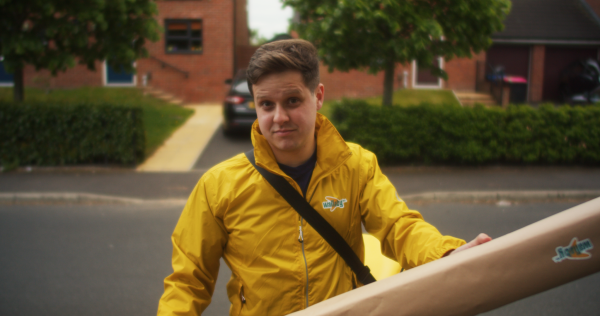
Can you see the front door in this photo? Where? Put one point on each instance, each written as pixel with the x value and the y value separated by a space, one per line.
pixel 422 77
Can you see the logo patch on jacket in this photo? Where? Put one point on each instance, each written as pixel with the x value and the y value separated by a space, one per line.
pixel 332 203
pixel 577 250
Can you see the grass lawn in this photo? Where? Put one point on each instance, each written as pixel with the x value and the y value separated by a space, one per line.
pixel 406 97
pixel 160 117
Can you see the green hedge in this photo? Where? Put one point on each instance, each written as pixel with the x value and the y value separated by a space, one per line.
pixel 464 135
pixel 47 134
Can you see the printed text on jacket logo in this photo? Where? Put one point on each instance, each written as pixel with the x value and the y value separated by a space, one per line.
pixel 577 250
pixel 332 203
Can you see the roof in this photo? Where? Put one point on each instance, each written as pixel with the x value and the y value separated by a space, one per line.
pixel 548 21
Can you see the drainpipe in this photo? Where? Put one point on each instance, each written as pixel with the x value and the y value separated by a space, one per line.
pixel 234 38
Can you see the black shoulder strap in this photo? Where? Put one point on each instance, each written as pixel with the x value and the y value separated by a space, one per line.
pixel 335 240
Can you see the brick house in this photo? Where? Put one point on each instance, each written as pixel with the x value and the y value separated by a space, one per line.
pixel 206 42
pixel 541 37
pixel 192 59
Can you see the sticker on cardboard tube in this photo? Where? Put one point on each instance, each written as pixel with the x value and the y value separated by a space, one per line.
pixel 577 250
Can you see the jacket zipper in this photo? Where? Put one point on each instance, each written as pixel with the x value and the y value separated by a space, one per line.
pixel 301 241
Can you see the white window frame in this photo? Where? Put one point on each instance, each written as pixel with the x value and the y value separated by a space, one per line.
pixel 426 86
pixel 105 77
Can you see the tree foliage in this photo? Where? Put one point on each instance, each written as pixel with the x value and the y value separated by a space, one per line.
pixel 56 34
pixel 359 34
pixel 256 39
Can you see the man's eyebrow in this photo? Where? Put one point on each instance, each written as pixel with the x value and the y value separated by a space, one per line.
pixel 285 92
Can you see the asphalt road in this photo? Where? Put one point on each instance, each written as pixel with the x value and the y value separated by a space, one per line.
pixel 110 260
pixel 222 147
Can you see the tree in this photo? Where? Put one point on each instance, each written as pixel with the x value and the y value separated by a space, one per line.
pixel 359 34
pixel 54 34
pixel 256 39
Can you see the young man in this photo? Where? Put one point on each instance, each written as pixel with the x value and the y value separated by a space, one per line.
pixel 279 263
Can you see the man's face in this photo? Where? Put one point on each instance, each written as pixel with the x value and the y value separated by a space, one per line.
pixel 286 111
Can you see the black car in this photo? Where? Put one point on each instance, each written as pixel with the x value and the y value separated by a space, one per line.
pixel 580 82
pixel 238 109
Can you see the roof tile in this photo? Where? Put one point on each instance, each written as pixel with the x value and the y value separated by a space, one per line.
pixel 552 20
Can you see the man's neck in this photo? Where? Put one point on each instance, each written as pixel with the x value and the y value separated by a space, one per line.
pixel 295 158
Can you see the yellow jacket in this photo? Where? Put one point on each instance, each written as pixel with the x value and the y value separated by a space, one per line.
pixel 235 214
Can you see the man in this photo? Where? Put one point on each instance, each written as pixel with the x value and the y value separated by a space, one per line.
pixel 279 263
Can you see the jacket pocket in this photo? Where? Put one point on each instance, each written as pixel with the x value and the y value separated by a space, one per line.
pixel 241 301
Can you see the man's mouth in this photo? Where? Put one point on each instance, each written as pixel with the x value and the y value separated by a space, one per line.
pixel 283 132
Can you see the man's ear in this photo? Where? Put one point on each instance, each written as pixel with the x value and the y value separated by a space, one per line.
pixel 320 95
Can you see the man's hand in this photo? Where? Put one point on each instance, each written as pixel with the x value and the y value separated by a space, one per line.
pixel 480 239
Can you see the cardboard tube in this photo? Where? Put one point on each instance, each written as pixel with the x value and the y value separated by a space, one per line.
pixel 541 256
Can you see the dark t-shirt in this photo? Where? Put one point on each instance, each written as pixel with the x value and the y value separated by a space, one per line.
pixel 302 173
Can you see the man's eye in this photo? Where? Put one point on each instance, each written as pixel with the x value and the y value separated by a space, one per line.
pixel 293 100
pixel 265 103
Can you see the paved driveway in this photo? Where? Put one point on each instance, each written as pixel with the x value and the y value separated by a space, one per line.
pixel 221 148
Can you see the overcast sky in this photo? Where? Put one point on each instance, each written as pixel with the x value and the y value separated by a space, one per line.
pixel 268 17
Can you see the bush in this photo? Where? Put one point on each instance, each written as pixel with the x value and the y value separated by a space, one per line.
pixel 42 134
pixel 463 135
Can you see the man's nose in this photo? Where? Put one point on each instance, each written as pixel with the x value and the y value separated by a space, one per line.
pixel 281 115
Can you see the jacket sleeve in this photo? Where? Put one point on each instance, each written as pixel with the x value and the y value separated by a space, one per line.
pixel 198 242
pixel 403 233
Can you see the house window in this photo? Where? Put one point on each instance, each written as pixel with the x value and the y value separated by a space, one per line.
pixel 118 77
pixel 183 36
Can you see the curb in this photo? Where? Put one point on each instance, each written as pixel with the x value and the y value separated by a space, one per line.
pixel 46 197
pixel 459 196
pixel 521 196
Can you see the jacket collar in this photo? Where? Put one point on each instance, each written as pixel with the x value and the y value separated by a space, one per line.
pixel 332 150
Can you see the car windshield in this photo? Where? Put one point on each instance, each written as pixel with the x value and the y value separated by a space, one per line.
pixel 241 87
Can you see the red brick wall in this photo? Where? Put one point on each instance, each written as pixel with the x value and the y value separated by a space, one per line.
pixel 76 77
pixel 462 72
pixel 462 75
pixel 207 71
pixel 356 84
pixel 243 53
pixel 243 50
pixel 242 32
pixel 536 77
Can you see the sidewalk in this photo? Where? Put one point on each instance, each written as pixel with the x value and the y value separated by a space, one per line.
pixel 436 184
pixel 180 152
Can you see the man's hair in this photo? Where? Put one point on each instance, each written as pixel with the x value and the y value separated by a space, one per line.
pixel 280 56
